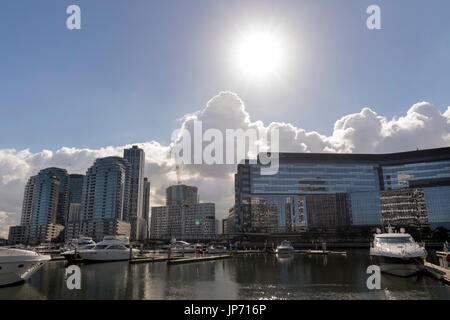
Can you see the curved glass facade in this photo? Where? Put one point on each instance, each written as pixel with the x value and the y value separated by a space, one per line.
pixel 339 190
pixel 316 179
pixel 437 201
pixel 401 176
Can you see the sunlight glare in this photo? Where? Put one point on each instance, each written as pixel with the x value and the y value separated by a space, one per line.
pixel 260 54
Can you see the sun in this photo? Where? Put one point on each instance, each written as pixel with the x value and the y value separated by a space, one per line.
pixel 259 54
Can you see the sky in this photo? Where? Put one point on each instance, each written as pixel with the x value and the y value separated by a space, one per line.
pixel 136 69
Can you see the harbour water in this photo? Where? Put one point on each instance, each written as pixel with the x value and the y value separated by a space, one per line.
pixel 255 276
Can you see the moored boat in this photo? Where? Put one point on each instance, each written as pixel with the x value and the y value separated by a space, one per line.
pixel 182 247
pixel 216 249
pixel 75 245
pixel 17 265
pixel 285 248
pixel 397 254
pixel 112 248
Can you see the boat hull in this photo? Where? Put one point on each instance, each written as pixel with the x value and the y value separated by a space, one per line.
pixel 12 273
pixel 398 266
pixel 186 250
pixel 71 256
pixel 284 251
pixel 120 255
pixel 216 251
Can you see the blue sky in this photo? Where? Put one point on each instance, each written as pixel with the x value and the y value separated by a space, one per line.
pixel 136 67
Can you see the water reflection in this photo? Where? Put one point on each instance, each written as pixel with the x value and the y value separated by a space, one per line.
pixel 284 259
pixel 299 276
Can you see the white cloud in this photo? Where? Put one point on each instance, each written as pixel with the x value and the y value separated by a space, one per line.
pixel 423 126
pixel 6 219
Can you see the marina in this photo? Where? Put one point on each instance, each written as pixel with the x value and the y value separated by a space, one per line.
pixel 253 276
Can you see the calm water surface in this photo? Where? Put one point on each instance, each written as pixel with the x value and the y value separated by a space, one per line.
pixel 240 277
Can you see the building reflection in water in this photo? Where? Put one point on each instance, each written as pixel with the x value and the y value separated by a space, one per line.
pixel 300 276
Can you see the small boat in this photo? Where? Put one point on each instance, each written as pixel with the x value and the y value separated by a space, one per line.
pixel 74 246
pixel 213 249
pixel 112 248
pixel 17 265
pixel 73 254
pixel 285 248
pixel 47 248
pixel 182 247
pixel 79 242
pixel 397 253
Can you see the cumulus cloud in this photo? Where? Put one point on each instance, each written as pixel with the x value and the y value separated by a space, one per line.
pixel 423 126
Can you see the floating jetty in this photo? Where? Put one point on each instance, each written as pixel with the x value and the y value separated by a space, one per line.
pixel 248 251
pixel 441 272
pixel 438 272
pixel 320 252
pixel 197 259
pixel 153 259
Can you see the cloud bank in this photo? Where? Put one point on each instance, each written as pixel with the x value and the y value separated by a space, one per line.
pixel 423 126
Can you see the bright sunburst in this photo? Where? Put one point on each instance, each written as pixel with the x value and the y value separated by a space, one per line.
pixel 259 54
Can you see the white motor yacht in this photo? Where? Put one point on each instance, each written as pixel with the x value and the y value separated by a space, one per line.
pixel 397 253
pixel 17 265
pixel 285 248
pixel 112 248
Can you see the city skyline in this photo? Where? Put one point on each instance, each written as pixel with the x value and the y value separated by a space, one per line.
pixel 58 206
pixel 422 127
pixel 346 89
pixel 107 200
pixel 365 132
pixel 310 190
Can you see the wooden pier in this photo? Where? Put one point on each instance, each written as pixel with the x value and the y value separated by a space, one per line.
pixel 197 259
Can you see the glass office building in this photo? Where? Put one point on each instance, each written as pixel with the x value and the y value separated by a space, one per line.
pixel 339 190
pixel 75 188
